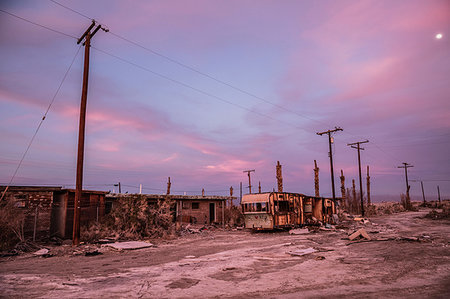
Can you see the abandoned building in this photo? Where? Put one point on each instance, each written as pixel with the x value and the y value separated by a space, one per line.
pixel 200 209
pixel 49 210
pixel 272 210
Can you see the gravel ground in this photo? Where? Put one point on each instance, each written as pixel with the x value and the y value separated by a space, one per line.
pixel 408 256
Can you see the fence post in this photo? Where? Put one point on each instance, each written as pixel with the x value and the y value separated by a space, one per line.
pixel 35 223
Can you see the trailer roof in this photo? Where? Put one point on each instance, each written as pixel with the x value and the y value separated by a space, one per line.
pixel 256 197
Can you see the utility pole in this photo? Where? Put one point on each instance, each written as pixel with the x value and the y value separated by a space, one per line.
pixel 359 148
pixel 344 196
pixel 439 195
pixel 368 187
pixel 316 180
pixel 330 153
pixel 231 195
pixel 406 166
pixel 240 193
pixel 423 192
pixel 259 187
pixel 87 35
pixel 249 181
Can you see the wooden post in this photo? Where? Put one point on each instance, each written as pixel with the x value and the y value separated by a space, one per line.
pixel 423 192
pixel 169 184
pixel 368 187
pixel 279 177
pixel 35 223
pixel 231 195
pixel 354 195
pixel 316 179
pixel 439 195
pixel 223 213
pixel 259 187
pixel 342 177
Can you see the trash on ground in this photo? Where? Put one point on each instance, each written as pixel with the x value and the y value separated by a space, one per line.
pixel 132 245
pixel 41 252
pixel 360 233
pixel 301 252
pixel 320 257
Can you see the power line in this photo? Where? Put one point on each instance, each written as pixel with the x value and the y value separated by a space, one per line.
pixel 186 66
pixel 72 10
pixel 40 123
pixel 39 25
pixel 195 88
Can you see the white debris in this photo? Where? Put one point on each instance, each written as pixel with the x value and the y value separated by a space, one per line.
pixel 132 245
pixel 301 252
pixel 42 251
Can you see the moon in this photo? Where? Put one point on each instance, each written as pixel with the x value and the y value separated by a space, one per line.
pixel 439 36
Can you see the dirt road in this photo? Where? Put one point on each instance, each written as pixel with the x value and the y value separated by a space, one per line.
pixel 409 256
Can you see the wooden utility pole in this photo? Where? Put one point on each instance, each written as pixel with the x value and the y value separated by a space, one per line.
pixel 169 184
pixel 423 192
pixel 279 177
pixel 353 194
pixel 316 179
pixel 249 180
pixel 330 153
pixel 259 186
pixel 368 187
pixel 231 195
pixel 87 35
pixel 359 148
pixel 342 177
pixel 439 195
pixel 406 166
pixel 240 193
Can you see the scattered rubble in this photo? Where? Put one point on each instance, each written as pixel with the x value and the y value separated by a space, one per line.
pixel 301 252
pixel 40 252
pixel 132 245
pixel 360 233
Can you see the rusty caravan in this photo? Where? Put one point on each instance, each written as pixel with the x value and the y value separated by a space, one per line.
pixel 279 210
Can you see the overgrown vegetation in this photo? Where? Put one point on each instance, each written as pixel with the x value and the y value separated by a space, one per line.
pixel 234 216
pixel 133 218
pixel 12 222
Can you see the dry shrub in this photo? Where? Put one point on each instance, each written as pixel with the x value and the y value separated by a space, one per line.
pixel 353 204
pixel 406 203
pixel 133 218
pixel 234 216
pixel 12 222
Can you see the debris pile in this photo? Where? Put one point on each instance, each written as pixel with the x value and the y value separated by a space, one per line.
pixel 133 219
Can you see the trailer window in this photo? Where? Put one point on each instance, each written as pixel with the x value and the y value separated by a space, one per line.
pixel 282 206
pixel 255 207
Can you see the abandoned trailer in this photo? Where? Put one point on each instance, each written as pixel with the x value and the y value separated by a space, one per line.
pixel 200 209
pixel 48 211
pixel 273 210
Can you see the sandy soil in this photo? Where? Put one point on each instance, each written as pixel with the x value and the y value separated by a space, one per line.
pixel 244 264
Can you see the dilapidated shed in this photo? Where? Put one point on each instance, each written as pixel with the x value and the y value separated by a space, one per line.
pixel 48 210
pixel 201 209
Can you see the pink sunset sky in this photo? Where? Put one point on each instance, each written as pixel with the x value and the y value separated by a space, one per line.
pixel 212 88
